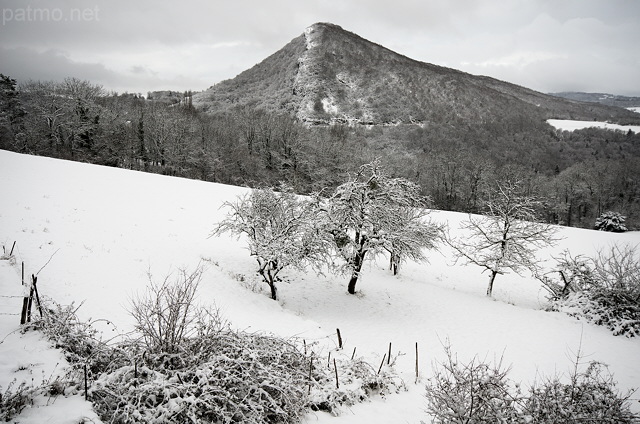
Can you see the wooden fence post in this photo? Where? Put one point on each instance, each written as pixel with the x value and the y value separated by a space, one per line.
pixel 86 396
pixel 310 373
pixel 25 302
pixel 29 303
pixel 35 289
pixel 23 314
pixel 416 362
pixel 382 363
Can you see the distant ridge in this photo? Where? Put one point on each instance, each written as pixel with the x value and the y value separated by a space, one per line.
pixel 330 75
pixel 603 98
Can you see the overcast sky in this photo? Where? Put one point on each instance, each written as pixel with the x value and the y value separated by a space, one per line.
pixel 145 45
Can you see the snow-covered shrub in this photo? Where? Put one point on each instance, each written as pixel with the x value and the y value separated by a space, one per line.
pixel 588 397
pixel 207 373
pixel 79 340
pixel 167 316
pixel 572 275
pixel 240 377
pixel 14 399
pixel 618 270
pixel 473 392
pixel 358 382
pixel 611 221
pixel 605 308
pixel 478 393
pixel 604 290
pixel 235 376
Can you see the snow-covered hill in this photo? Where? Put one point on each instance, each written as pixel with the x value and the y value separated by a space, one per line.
pixel 93 234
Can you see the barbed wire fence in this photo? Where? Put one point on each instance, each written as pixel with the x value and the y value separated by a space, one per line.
pixel 30 294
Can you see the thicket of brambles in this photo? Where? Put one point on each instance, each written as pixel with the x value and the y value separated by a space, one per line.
pixel 479 391
pixel 184 363
pixel 604 289
pixel 580 175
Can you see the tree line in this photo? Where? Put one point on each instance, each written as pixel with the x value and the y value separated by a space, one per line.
pixel 578 175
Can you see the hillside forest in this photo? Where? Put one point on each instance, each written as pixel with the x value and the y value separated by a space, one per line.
pixel 576 175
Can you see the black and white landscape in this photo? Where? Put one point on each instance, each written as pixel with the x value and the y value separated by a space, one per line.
pixel 187 252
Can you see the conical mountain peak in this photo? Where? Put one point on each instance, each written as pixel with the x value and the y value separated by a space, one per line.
pixel 330 75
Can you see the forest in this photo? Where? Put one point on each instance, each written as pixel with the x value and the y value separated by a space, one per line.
pixel 577 175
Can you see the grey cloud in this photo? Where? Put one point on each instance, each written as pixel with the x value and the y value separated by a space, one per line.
pixel 26 64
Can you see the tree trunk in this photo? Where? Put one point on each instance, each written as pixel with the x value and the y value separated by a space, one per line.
pixel 394 261
pixel 491 280
pixel 357 266
pixel 274 290
pixel 352 283
pixel 268 277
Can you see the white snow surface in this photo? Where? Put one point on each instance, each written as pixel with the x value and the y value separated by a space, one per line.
pixel 94 233
pixel 570 125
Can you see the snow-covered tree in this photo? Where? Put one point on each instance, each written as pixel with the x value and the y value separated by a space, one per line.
pixel 373 212
pixel 507 236
pixel 611 221
pixel 281 231
pixel 410 233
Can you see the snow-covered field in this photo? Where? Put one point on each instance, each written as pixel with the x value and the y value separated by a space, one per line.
pixel 94 233
pixel 569 125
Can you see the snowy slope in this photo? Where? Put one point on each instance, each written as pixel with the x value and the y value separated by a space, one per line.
pixel 95 233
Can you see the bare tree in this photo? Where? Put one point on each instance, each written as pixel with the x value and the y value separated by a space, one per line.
pixel 409 235
pixel 280 230
pixel 507 237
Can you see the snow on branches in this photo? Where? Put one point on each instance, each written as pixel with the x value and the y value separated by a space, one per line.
pixel 281 231
pixel 369 214
pixel 373 212
pixel 507 237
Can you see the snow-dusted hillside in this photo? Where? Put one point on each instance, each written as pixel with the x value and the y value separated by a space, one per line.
pixel 94 233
